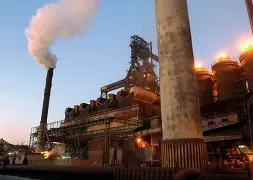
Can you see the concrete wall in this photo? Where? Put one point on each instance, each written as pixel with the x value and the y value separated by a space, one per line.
pixel 35 156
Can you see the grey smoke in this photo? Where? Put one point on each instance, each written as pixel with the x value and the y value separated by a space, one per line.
pixel 65 18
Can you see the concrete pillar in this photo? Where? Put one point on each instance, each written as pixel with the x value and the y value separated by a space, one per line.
pixel 183 143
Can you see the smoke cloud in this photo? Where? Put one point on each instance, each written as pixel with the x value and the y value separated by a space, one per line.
pixel 65 18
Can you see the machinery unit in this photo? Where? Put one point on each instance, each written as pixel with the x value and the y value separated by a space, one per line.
pixel 227 75
pixel 205 83
pixel 246 59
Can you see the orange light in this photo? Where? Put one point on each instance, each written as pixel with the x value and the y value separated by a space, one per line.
pixel 138 140
pixel 46 154
pixel 199 65
pixel 247 46
pixel 222 56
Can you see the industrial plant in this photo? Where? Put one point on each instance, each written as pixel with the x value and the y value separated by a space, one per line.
pixel 125 128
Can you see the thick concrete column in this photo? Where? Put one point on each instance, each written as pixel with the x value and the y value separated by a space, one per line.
pixel 183 143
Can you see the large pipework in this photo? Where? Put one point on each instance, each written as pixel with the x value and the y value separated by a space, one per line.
pixel 183 143
pixel 43 122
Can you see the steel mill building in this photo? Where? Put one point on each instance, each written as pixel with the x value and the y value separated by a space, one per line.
pixel 126 127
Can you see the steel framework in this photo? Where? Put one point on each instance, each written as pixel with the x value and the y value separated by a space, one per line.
pixel 76 131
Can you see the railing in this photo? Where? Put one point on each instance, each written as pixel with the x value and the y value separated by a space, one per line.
pixel 104 115
pixel 147 173
pixel 89 120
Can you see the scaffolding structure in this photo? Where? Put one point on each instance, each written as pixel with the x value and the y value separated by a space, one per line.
pixel 118 123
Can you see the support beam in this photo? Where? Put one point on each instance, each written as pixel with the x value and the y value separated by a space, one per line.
pixel 183 143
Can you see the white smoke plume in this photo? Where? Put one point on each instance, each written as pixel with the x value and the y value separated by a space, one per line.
pixel 65 18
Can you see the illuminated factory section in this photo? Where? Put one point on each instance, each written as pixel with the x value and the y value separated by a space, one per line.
pixel 129 121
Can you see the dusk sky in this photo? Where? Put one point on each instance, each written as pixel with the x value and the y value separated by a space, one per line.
pixel 99 57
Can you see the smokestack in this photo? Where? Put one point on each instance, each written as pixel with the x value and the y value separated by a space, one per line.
pixel 183 145
pixel 43 122
pixel 63 18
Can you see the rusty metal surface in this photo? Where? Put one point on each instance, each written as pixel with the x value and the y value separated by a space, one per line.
pixel 69 114
pixel 144 95
pixel 125 98
pixel 124 113
pixel 184 153
pixel 205 82
pixel 226 73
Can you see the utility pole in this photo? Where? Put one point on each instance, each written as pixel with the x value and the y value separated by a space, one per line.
pixel 249 6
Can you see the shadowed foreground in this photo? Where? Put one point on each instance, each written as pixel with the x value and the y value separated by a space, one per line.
pixel 58 172
pixel 69 172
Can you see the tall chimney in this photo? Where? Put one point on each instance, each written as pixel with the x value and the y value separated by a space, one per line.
pixel 183 144
pixel 43 122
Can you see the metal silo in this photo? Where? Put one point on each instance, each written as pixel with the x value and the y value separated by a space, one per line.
pixel 205 82
pixel 227 73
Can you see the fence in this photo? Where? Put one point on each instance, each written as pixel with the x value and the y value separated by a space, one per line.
pixel 144 173
pixel 66 162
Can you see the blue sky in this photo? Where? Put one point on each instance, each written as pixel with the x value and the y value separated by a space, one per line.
pixel 99 57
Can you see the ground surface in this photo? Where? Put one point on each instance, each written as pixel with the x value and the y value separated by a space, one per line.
pixel 226 176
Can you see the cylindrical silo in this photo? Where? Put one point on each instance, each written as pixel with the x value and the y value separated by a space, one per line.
pixel 205 82
pixel 226 73
pixel 246 60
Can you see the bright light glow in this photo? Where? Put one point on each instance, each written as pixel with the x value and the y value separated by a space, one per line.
pixel 138 140
pixel 247 46
pixel 46 154
pixel 199 65
pixel 222 56
pixel 246 150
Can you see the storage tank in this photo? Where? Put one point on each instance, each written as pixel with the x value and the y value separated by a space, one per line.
pixel 226 73
pixel 246 59
pixel 205 83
